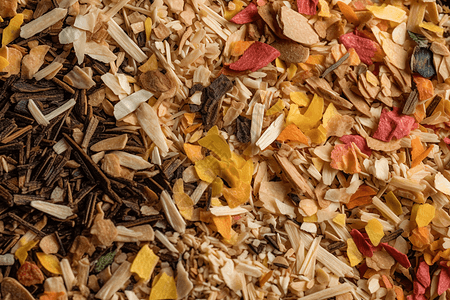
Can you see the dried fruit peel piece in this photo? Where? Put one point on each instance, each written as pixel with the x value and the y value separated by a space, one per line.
pixel 307 7
pixel 393 203
pixel 276 108
pixel 207 169
pixel 361 243
pixel 216 143
pixel 425 213
pixel 394 125
pixel 344 158
pixel 348 12
pixel 257 56
pixel 365 48
pixel 148 29
pixel 193 152
pixel 375 231
pixel 424 87
pixel 50 263
pixel 359 141
pixel 239 47
pixel 353 253
pixel 421 156
pixel 12 31
pixel 247 15
pixel 299 98
pixel 144 263
pixel 340 220
pixel 164 288
pixel 22 253
pixel 397 255
pixel 294 134
pixel 237 195
pixel 150 65
pixel 223 225
pixel 388 12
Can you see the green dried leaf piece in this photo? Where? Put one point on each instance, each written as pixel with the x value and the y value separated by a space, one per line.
pixel 104 261
pixel 421 40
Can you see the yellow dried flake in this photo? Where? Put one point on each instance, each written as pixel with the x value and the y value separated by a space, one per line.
pixel 432 27
pixel 291 71
pixel 372 78
pixel 330 112
pixel 317 135
pixel 22 253
pixel 340 220
pixel 280 64
pixel 216 187
pixel 299 98
pixel 49 262
pixel 375 231
pixel 223 225
pixel 276 108
pixel 150 65
pixel 232 168
pixel 214 142
pixel 193 152
pixel 3 63
pixel 388 12
pixel 228 14
pixel 27 14
pixel 425 213
pixel 318 163
pixel 324 9
pixel 184 203
pixel 393 203
pixel 148 29
pixel 353 253
pixel 208 168
pixel 164 288
pixel 144 263
pixel 310 219
pixel 316 59
pixel 12 31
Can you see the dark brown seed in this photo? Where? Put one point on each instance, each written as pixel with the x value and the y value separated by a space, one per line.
pixel 243 126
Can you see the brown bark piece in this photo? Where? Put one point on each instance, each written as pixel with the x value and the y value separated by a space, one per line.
pixel 8 8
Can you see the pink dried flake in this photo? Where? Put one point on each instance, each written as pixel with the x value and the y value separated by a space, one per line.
pixel 444 280
pixel 394 125
pixel 419 289
pixel 423 274
pixel 257 56
pixel 447 140
pixel 247 15
pixel 365 48
pixel 397 255
pixel 359 141
pixel 363 246
pixel 307 7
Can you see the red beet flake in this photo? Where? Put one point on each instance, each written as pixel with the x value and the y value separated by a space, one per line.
pixel 257 56
pixel 359 141
pixel 363 246
pixel 247 15
pixel 423 274
pixel 444 280
pixel 394 125
pixel 307 7
pixel 365 48
pixel 397 255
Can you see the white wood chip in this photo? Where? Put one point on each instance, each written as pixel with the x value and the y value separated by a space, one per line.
pixel 43 22
pixel 124 41
pixel 165 241
pixel 59 211
pixel 62 109
pixel 329 292
pixel 129 104
pixel 227 211
pixel 173 215
pixel 36 113
pixel 271 133
pixel 117 280
pixel 132 161
pixel 149 121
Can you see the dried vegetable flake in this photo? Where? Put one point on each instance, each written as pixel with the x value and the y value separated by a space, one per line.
pixel 394 125
pixel 144 263
pixel 164 288
pixel 353 253
pixel 375 231
pixel 364 47
pixel 247 15
pixel 12 31
pixel 307 7
pixel 49 262
pixel 425 213
pixel 258 55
